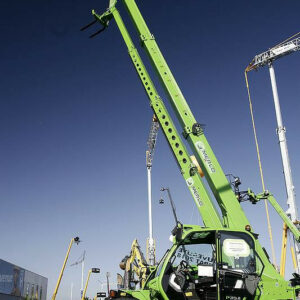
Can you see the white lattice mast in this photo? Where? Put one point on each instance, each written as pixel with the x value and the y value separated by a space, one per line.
pixel 267 58
pixel 280 50
pixel 149 158
pixel 80 261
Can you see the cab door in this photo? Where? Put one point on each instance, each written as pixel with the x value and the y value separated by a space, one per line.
pixel 237 266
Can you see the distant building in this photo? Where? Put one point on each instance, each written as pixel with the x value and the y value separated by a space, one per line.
pixel 17 283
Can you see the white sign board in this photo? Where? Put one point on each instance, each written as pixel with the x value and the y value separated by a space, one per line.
pixel 236 248
pixel 280 50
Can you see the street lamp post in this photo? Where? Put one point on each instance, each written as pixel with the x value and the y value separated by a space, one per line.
pixel 93 270
pixel 107 279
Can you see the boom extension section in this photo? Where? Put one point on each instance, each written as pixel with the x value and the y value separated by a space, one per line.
pixel 188 169
pixel 274 53
pixel 233 215
pixel 267 196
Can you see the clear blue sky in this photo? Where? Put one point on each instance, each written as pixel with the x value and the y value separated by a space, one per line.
pixel 75 120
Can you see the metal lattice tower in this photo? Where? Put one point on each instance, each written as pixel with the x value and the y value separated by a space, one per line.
pixel 152 141
pixel 149 158
pixel 79 261
pixel 274 53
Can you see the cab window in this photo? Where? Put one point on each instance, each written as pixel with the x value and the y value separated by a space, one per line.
pixel 194 254
pixel 238 253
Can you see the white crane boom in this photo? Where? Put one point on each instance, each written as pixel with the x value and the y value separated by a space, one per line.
pixel 274 53
pixel 267 58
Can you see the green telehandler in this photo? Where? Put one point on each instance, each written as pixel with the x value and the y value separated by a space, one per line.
pixel 222 259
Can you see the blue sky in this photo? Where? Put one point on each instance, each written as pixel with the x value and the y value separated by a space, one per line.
pixel 75 120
